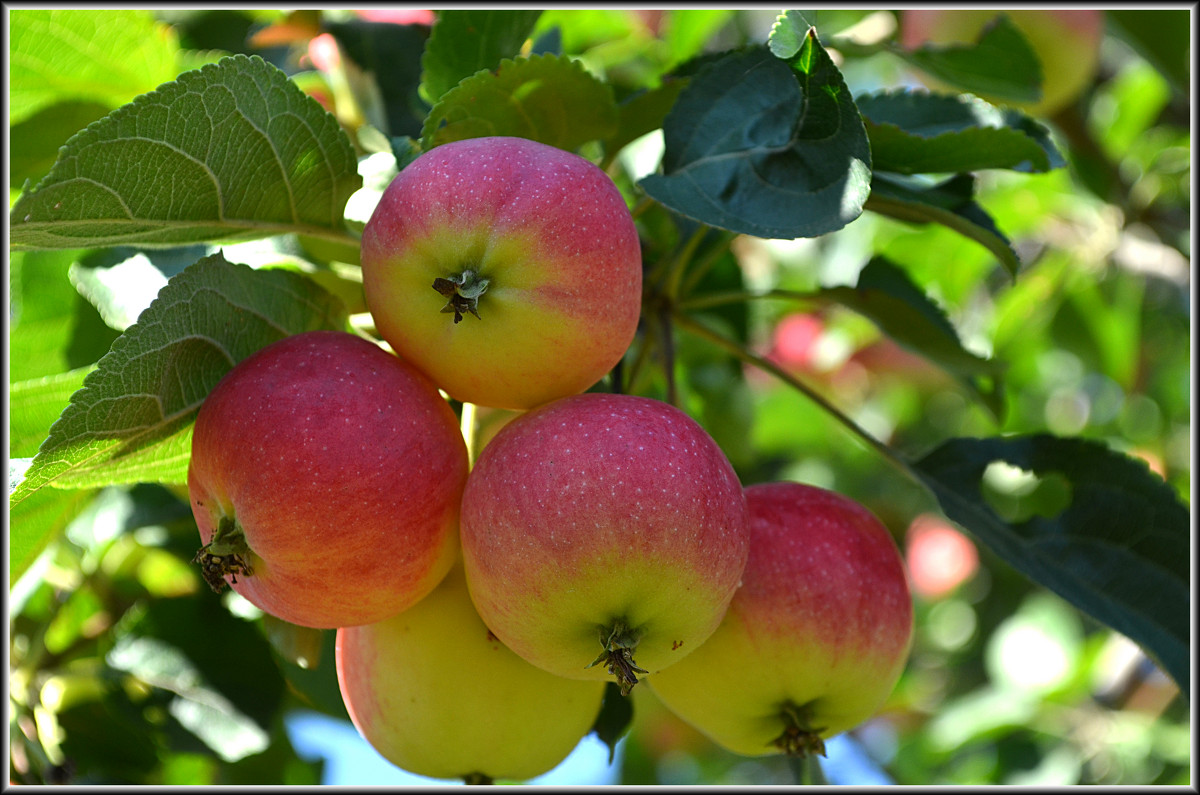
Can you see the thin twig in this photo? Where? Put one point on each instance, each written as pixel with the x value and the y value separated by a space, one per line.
pixel 765 364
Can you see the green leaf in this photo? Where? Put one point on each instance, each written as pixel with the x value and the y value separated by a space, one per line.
pixel 121 282
pixel 1120 551
pixel 464 41
pixel 759 146
pixel 949 203
pixel 1000 64
pixel 887 296
pixel 131 422
pixel 37 520
pixel 1161 36
pixel 53 328
pixel 36 139
pixel 686 31
pixel 107 56
pixel 234 150
pixel 616 713
pixel 34 405
pixel 544 97
pixel 643 113
pixel 200 708
pixel 915 132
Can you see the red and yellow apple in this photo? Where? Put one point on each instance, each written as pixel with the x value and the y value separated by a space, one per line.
pixel 603 536
pixel 438 695
pixel 507 270
pixel 325 479
pixel 815 638
pixel 1067 43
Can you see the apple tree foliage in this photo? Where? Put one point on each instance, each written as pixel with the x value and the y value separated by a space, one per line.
pixel 184 194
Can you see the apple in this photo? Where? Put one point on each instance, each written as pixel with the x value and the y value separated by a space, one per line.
pixel 603 536
pixel 325 478
pixel 507 270
pixel 813 641
pixel 1067 42
pixel 940 558
pixel 438 695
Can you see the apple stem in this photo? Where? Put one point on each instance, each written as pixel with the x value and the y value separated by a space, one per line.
pixel 799 738
pixel 619 641
pixel 226 553
pixel 463 291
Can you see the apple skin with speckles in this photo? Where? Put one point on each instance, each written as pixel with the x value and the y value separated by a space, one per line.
pixel 597 513
pixel 822 624
pixel 536 262
pixel 438 695
pixel 339 469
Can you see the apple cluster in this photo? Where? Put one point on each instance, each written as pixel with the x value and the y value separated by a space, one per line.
pixel 482 607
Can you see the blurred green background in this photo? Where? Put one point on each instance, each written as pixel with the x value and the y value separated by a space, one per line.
pixel 125 668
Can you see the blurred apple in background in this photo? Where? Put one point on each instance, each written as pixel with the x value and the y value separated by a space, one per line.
pixel 1067 43
pixel 794 341
pixel 939 557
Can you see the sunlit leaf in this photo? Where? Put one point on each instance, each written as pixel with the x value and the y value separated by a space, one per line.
pixel 463 41
pixel 544 98
pixel 34 405
pixel 231 151
pixel 131 421
pixel 38 519
pixel 107 56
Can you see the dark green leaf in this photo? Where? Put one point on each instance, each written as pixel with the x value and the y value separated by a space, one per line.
pixel 131 421
pixel 1120 551
pixel 887 296
pixel 616 713
pixel 234 150
pixel 915 132
pixel 298 645
pixel 949 203
pixel 544 98
pixel 464 41
pixel 108 739
pixel 755 146
pixel 316 687
pixel 1000 64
